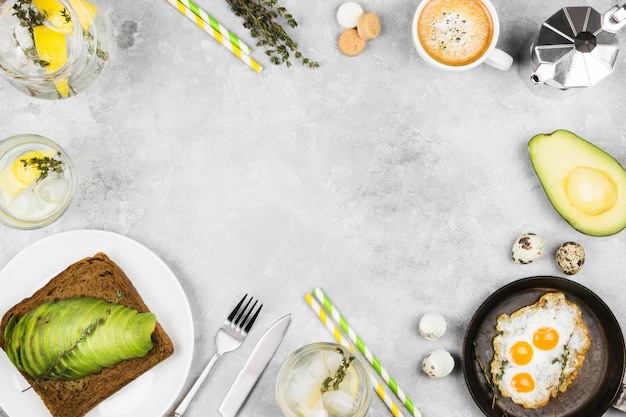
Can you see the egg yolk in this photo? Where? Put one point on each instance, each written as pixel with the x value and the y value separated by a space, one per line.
pixel 521 353
pixel 546 338
pixel 523 382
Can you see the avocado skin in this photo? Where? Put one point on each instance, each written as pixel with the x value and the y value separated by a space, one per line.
pixel 75 337
pixel 553 155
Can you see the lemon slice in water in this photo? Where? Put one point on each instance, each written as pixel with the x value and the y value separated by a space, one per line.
pixel 15 177
pixel 25 173
pixel 51 47
pixel 350 383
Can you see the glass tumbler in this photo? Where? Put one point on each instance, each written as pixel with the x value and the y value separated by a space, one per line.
pixel 52 49
pixel 37 181
pixel 323 379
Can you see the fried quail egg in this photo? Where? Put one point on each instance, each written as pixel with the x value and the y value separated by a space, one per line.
pixel 527 248
pixel 539 350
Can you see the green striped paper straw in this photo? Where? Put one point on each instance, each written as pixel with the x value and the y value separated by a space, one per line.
pixel 185 11
pixel 328 322
pixel 343 323
pixel 217 26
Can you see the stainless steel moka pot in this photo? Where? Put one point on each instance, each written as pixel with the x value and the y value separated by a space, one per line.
pixel 575 48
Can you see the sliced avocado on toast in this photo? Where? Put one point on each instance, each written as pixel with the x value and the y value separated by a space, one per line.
pixel 76 337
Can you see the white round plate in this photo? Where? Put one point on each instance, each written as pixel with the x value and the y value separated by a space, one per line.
pixel 154 392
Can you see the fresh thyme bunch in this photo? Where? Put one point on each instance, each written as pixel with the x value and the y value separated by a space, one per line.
pixel 261 19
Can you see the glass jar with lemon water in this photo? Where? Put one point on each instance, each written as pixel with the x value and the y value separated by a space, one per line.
pixel 52 48
pixel 37 181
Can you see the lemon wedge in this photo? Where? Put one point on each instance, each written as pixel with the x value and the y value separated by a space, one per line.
pixel 350 383
pixel 314 399
pixel 55 13
pixel 29 173
pixel 85 11
pixel 63 87
pixel 51 47
pixel 15 177
pixel 314 406
pixel 9 186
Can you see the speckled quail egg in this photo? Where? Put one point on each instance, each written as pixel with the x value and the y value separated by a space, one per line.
pixel 570 257
pixel 527 248
pixel 432 326
pixel 438 363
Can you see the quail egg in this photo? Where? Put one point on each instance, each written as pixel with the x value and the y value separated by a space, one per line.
pixel 432 326
pixel 570 257
pixel 438 363
pixel 527 248
pixel 348 14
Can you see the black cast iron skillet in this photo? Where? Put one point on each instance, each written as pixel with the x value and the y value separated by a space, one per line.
pixel 599 381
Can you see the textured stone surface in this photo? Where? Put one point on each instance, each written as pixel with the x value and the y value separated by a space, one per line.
pixel 397 188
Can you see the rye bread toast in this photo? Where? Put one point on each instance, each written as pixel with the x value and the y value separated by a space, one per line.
pixel 99 277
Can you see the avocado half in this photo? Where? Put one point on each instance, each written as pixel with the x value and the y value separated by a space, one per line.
pixel 586 186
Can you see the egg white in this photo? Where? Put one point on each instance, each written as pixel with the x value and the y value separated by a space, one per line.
pixel 552 370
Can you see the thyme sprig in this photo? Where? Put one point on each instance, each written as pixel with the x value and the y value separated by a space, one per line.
pixel 261 18
pixel 66 15
pixel 44 165
pixel 563 359
pixel 84 334
pixel 339 374
pixel 28 15
pixel 492 385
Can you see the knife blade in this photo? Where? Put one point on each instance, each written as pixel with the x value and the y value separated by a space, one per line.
pixel 254 367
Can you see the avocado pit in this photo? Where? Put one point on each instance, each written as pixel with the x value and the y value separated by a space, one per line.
pixel 591 191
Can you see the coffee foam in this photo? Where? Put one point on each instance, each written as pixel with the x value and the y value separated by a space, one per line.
pixel 455 32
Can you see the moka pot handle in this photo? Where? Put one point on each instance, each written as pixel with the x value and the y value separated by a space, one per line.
pixel 614 19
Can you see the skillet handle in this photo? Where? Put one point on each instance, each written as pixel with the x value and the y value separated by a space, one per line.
pixel 620 399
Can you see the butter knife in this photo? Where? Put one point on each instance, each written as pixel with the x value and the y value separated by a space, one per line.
pixel 254 367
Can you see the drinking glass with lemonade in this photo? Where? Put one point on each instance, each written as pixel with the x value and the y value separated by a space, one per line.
pixel 37 181
pixel 323 380
pixel 52 48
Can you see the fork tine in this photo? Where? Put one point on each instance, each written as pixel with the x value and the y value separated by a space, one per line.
pixel 236 309
pixel 251 322
pixel 240 318
pixel 240 322
pixel 241 314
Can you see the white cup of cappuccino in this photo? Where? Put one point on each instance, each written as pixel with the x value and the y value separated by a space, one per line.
pixel 457 35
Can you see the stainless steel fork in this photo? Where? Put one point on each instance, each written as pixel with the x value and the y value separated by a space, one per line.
pixel 229 337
